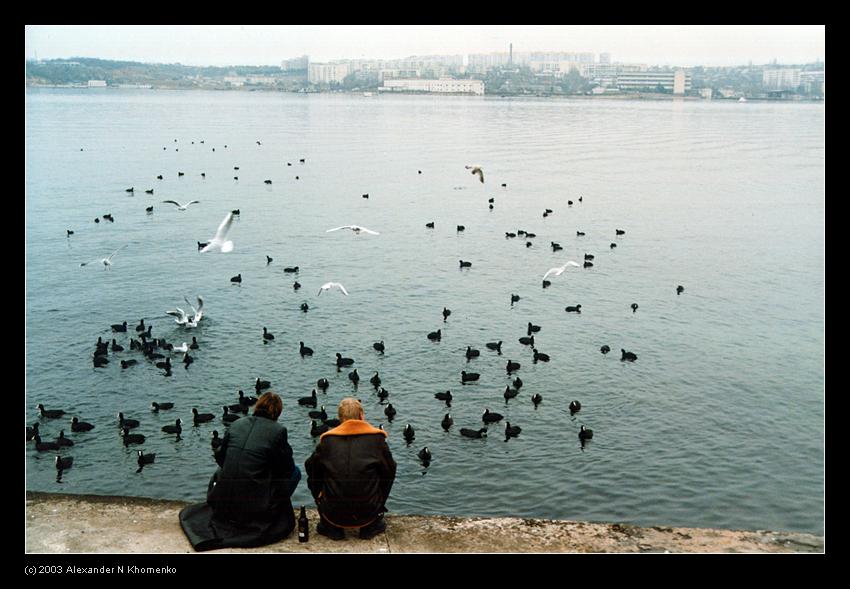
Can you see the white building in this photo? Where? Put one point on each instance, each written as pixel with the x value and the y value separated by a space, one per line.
pixel 327 73
pixel 97 84
pixel 442 86
pixel 677 81
pixel 781 79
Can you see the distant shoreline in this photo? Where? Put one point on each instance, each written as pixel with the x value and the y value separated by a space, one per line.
pixel 376 93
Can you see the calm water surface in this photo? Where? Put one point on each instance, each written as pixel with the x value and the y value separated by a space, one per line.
pixel 719 423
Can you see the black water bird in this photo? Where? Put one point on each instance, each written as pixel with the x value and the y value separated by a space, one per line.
pixel 50 413
pixel 527 340
pixel 120 327
pixel 323 384
pixel 304 350
pixel 291 269
pixel 540 356
pixel 588 256
pixel 425 456
pixel 236 212
pixel 605 349
pixel 429 225
pixel 465 264
pixel 509 393
pixel 579 233
pixel 379 346
pixel 634 307
pixel 573 309
pixel 466 377
pixel 310 401
pixel 332 422
pixel 149 209
pixel 32 431
pixel 366 195
pixel 613 245
pixel 508 235
pixel 570 203
pixel 202 245
pixel 512 366
pixel 215 442
pixel 141 325
pixel 532 328
pixel 127 423
pixel 547 283
pixel 44 446
pixel 536 398
pixel 447 422
pixel 62 440
pixel 316 429
pixel 237 278
pixel 435 336
pixel 517 382
pixel 187 359
pixel 69 232
pixel 470 353
pixel 461 228
pixel 382 393
pixel 131 189
pixel 100 361
pixel 261 385
pixel 340 361
pixel 680 289
pixel 585 434
pixel 164 365
pixel 514 298
pixel 228 417
pixel 555 246
pixel 144 459
pixel 620 232
pixel 575 407
pixel 269 259
pixel 267 181
pixel 296 285
pixel 473 433
pixel 199 418
pixel 354 377
pixel 491 417
pixel 375 380
pixel 159 177
pixel 447 397
pixel 409 434
pixel 588 264
pixel 156 407
pixel 511 431
pixel 446 313
pixel 267 336
pixel 390 411
pixel 149 192
pixel 628 356
pixel 173 429
pixel 496 346
pixel 127 363
pixel 305 307
pixel 64 463
pixel 129 438
pixel 194 345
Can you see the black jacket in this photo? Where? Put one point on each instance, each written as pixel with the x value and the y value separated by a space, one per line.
pixel 350 473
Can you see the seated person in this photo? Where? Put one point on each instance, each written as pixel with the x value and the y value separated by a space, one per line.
pixel 248 497
pixel 350 475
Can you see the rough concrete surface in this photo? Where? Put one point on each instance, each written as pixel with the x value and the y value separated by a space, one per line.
pixel 81 524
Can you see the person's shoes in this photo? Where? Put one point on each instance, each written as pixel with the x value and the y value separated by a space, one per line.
pixel 376 527
pixel 330 531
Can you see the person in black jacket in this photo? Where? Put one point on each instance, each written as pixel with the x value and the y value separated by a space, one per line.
pixel 350 475
pixel 248 497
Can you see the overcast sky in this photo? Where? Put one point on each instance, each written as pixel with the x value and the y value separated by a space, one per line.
pixel 683 45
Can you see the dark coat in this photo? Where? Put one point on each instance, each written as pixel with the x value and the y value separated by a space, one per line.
pixel 350 474
pixel 248 496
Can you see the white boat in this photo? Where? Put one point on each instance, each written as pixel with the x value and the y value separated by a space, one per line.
pixel 367 94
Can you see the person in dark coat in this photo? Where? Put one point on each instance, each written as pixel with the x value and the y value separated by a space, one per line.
pixel 350 475
pixel 248 498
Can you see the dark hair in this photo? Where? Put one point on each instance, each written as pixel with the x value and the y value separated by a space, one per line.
pixel 269 405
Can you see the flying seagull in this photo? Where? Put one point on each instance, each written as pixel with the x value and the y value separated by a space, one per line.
pixel 198 313
pixel 218 242
pixel 559 270
pixel 356 228
pixel 182 318
pixel 477 170
pixel 181 207
pixel 107 261
pixel 330 285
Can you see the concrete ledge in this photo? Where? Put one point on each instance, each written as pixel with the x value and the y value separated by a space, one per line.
pixel 85 524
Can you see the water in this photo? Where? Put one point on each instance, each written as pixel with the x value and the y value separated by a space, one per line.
pixel 719 423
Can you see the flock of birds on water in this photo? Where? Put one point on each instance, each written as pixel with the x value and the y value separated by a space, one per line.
pixel 154 351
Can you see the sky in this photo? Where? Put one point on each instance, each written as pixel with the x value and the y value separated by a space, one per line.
pixel 222 45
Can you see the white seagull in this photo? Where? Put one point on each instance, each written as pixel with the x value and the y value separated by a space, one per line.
pixel 182 207
pixel 330 285
pixel 182 318
pixel 219 241
pixel 560 270
pixel 356 228
pixel 184 348
pixel 107 261
pixel 198 313
pixel 477 170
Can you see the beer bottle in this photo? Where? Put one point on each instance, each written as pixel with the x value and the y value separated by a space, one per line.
pixel 303 527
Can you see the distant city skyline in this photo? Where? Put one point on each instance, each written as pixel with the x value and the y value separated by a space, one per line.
pixel 230 45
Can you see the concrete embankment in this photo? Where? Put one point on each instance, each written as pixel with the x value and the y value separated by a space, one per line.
pixel 75 524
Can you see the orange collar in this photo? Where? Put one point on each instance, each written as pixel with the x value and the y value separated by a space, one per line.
pixel 353 427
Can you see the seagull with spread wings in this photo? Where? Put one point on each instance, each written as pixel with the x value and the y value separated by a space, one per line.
pixel 107 261
pixel 220 240
pixel 330 285
pixel 355 228
pixel 560 269
pixel 181 207
pixel 477 170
